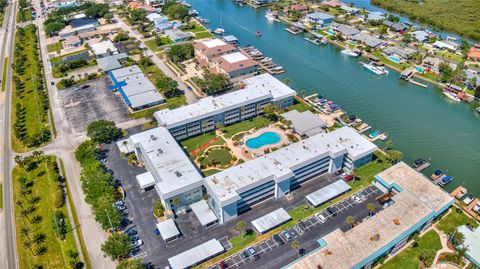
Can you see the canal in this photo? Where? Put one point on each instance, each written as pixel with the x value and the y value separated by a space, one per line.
pixel 421 122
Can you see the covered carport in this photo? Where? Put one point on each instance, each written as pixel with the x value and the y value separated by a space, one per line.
pixel 204 214
pixel 168 230
pixel 327 193
pixel 271 220
pixel 145 180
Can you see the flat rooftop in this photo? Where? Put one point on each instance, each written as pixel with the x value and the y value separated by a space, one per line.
pixel 235 57
pixel 173 170
pixel 354 247
pixel 256 90
pixel 213 43
pixel 278 165
pixel 356 147
pixel 305 123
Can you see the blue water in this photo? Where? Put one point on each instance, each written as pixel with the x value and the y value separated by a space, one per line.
pixel 267 138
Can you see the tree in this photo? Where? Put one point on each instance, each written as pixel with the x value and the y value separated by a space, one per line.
pixel 120 37
pixel 108 16
pixel 176 202
pixel 350 220
pixel 241 226
pixel 103 131
pixel 158 41
pixel 426 256
pixel 131 264
pixel 213 83
pixel 167 86
pixel 303 92
pixel 295 245
pixel 180 53
pixel 39 251
pixel 287 81
pixel 389 144
pixel 371 208
pixel 394 156
pixel 270 111
pixel 117 246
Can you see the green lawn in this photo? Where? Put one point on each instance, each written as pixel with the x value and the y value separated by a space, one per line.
pixel 218 156
pixel 210 172
pixel 54 47
pixel 41 182
pixel 454 218
pixel 30 126
pixel 153 45
pixel 1 196
pixel 195 143
pixel 204 34
pixel 170 103
pixel 258 122
pixel 450 56
pixel 4 73
pixel 409 258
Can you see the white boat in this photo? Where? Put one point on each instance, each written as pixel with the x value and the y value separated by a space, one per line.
pixel 451 96
pixel 278 68
pixel 375 69
pixel 350 52
pixel 268 59
pixel 219 31
pixel 270 17
pixel 323 41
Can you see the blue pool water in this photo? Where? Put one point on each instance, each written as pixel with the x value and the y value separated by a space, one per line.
pixel 394 59
pixel 264 139
pixel 419 69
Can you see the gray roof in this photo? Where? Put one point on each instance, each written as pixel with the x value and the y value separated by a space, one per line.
pixel 168 229
pixel 375 16
pixel 327 193
pixel 368 40
pixel 399 51
pixel 271 220
pixel 111 62
pixel 420 35
pixel 197 254
pixel 319 16
pixel 346 30
pixel 173 171
pixel 305 122
pixel 175 34
pixel 395 26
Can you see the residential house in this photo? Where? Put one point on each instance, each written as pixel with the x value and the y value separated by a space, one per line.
pixel 178 35
pixel 474 53
pixel 350 10
pixel 399 52
pixel 104 48
pixel 333 3
pixel 205 51
pixel 319 19
pixel 73 41
pixel 432 63
pixel 448 45
pixel 288 10
pixel 368 40
pixel 346 30
pixel 420 35
pixel 375 16
pixel 397 27
pixel 236 66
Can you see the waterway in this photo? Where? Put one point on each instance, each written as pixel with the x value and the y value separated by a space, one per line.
pixel 421 122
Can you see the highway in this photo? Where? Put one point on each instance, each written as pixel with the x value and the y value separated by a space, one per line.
pixel 8 255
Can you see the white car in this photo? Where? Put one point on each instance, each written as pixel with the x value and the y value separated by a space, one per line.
pixel 476 208
pixel 321 218
pixel 137 244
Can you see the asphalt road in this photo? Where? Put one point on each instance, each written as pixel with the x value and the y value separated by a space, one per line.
pixel 8 255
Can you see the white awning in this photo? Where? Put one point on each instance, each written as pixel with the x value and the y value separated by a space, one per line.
pixel 329 192
pixel 168 229
pixel 203 212
pixel 271 220
pixel 145 180
pixel 125 147
pixel 196 255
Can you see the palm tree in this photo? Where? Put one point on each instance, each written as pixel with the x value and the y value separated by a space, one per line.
pixel 350 220
pixel 24 230
pixel 39 238
pixel 287 81
pixel 39 251
pixel 37 219
pixel 35 199
pixel 303 92
pixel 241 226
pixel 28 244
pixel 19 160
pixel 176 202
pixel 371 208
pixel 295 245
pixel 388 145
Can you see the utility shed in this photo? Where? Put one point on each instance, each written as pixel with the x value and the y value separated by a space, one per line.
pixel 196 255
pixel 204 214
pixel 168 230
pixel 327 193
pixel 271 220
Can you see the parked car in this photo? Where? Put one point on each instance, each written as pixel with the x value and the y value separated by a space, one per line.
pixel 137 244
pixel 52 83
pixel 245 254
pixel 256 257
pixel 251 251
pixel 85 86
pixel 302 225
pixel 278 239
pixel 468 199
pixel 476 208
pixel 120 205
pixel 331 211
pixel 287 236
pixel 321 217
pixel 131 232
pixel 223 265
pixel 134 238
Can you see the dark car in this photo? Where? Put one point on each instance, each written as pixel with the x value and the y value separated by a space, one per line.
pixel 52 83
pixel 256 257
pixel 331 211
pixel 245 254
pixel 278 239
pixel 223 265
pixel 131 232
pixel 302 225
pixel 85 86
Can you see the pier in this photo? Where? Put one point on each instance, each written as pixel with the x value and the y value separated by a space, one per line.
pixel 265 63
pixel 408 75
pixel 423 167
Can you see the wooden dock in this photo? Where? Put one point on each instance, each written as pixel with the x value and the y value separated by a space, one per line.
pixel 294 31
pixel 423 167
pixel 268 66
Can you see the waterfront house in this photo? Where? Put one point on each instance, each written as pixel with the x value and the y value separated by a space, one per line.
pixel 153 16
pixel 163 26
pixel 375 16
pixel 472 76
pixel 235 65
pixel 397 27
pixel 446 45
pixel 420 35
pixel 350 10
pixel 333 3
pixel 474 53
pixel 177 35
pixel 432 63
pixel 399 52
pixel 368 40
pixel 346 30
pixel 206 50
pixel 318 20
pixel 288 10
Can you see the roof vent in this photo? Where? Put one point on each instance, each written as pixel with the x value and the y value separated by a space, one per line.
pixel 178 174
pixel 160 151
pixel 153 138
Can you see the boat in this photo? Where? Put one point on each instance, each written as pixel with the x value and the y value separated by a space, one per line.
pixel 383 137
pixel 468 199
pixel 203 20
pixel 350 53
pixel 258 33
pixel 278 68
pixel 436 174
pixel 451 96
pixel 375 69
pixel 445 180
pixel 219 31
pixel 323 41
pixel 270 17
pixel 418 162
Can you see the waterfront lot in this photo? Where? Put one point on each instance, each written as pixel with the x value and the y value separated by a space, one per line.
pixel 82 106
pixel 156 252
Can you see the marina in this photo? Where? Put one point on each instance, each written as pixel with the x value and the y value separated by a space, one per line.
pixel 383 101
pixel 266 63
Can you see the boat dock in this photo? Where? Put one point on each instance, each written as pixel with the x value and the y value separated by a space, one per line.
pixel 423 167
pixel 408 75
pixel 265 63
pixel 458 194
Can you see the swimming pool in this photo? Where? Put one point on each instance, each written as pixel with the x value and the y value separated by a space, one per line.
pixel 394 59
pixel 419 69
pixel 267 138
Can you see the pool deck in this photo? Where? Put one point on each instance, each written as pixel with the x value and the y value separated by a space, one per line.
pixel 256 133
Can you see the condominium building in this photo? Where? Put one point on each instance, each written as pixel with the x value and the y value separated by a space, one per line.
pixel 415 203
pixel 209 112
pixel 207 50
pixel 235 65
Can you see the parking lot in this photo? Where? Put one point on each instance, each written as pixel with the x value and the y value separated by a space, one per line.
pixel 272 254
pixel 82 105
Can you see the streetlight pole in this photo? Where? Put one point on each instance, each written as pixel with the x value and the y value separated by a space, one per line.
pixel 109 220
